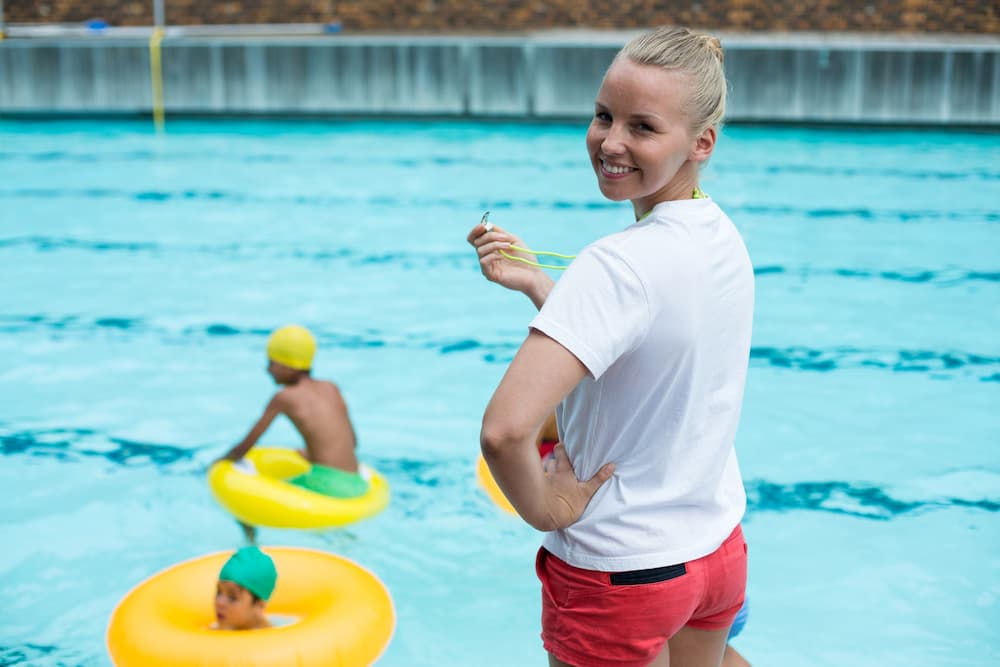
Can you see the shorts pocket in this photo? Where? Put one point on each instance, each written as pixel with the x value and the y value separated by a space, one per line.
pixel 564 583
pixel 543 576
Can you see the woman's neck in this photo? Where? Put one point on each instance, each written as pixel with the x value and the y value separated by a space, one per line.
pixel 683 185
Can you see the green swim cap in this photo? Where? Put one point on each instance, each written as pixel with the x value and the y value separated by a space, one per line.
pixel 252 569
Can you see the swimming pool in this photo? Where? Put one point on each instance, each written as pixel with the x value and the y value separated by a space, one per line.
pixel 141 275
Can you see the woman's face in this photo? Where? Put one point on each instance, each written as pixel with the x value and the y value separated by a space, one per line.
pixel 639 141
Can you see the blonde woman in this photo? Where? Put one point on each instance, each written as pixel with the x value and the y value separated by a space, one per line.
pixel 642 348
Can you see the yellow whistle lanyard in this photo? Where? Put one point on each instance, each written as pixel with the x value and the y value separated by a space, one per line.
pixel 695 194
pixel 557 267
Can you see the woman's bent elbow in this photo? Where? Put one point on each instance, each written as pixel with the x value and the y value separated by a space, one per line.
pixel 492 442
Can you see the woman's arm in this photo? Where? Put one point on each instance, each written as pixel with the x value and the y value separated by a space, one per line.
pixel 542 373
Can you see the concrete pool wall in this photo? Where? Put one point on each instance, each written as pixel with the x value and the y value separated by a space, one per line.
pixel 809 78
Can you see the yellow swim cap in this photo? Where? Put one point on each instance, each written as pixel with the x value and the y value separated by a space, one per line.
pixel 292 346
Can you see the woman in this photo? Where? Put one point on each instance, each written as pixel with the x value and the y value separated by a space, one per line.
pixel 642 347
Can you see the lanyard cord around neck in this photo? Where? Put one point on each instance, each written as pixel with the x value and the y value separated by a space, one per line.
pixel 695 194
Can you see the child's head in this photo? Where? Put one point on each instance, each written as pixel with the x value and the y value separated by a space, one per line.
pixel 246 582
pixel 290 350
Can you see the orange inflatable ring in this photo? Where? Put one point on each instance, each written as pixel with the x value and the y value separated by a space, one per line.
pixel 342 615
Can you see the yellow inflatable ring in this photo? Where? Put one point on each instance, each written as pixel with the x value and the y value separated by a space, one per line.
pixel 491 487
pixel 266 499
pixel 343 616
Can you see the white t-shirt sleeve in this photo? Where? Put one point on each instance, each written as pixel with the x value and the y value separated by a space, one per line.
pixel 598 310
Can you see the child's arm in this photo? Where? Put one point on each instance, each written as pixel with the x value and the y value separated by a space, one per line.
pixel 273 409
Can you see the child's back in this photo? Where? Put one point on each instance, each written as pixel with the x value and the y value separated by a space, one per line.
pixel 318 411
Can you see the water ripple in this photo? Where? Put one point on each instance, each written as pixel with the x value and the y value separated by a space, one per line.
pixel 944 277
pixel 414 479
pixel 460 258
pixel 80 325
pixel 868 502
pixel 237 198
pixel 71 444
pixel 940 363
pixel 25 654
pixel 472 161
pixel 867 213
pixel 880 172
pixel 900 361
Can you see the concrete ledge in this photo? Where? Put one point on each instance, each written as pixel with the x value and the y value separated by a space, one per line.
pixel 826 78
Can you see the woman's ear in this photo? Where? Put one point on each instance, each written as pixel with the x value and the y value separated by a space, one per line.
pixel 704 144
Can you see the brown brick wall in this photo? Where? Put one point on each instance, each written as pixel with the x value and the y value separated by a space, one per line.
pixel 910 16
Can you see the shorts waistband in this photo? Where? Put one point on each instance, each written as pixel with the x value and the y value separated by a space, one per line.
pixel 653 575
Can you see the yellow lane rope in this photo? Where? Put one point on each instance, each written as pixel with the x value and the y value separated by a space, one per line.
pixel 156 77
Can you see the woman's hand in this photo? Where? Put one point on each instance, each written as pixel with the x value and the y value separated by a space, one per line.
pixel 518 276
pixel 567 496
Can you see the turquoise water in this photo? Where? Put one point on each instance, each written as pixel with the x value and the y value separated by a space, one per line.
pixel 141 274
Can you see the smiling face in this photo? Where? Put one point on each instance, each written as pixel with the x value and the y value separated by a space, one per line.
pixel 640 140
pixel 236 609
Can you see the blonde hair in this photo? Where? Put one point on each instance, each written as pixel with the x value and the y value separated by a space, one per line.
pixel 699 56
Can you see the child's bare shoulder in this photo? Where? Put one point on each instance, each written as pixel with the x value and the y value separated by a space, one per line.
pixel 329 390
pixel 312 389
pixel 283 398
pixel 334 390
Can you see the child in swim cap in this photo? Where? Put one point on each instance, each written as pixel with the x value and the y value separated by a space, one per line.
pixel 317 410
pixel 245 585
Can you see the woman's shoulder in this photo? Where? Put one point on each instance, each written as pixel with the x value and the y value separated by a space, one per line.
pixel 648 242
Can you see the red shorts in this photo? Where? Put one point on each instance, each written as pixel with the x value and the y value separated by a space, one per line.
pixel 597 619
pixel 545 447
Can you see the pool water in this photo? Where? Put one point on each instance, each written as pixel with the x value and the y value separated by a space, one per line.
pixel 141 275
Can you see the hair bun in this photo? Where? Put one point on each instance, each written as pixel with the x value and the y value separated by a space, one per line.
pixel 714 45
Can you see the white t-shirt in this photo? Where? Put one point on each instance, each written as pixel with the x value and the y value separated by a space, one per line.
pixel 660 314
